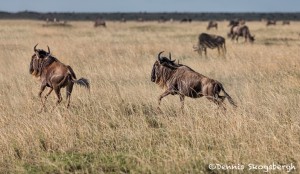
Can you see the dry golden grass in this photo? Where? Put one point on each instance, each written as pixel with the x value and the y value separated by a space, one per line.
pixel 114 128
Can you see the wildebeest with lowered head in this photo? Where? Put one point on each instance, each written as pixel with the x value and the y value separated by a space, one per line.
pixel 53 74
pixel 210 41
pixel 285 22
pixel 178 79
pixel 271 22
pixel 212 24
pixel 100 22
pixel 242 30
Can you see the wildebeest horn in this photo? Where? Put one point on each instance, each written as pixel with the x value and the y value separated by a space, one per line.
pixel 34 48
pixel 48 49
pixel 170 56
pixel 159 58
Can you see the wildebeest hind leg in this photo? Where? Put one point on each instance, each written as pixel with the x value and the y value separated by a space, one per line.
pixel 218 100
pixel 182 101
pixel 57 92
pixel 48 93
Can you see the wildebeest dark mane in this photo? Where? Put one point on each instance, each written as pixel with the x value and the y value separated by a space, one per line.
pixel 40 64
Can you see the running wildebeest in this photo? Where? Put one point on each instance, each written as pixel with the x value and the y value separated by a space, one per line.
pixel 178 79
pixel 100 22
pixel 53 74
pixel 271 22
pixel 210 41
pixel 212 24
pixel 242 31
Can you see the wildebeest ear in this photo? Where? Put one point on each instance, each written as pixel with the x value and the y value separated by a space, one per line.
pixel 168 65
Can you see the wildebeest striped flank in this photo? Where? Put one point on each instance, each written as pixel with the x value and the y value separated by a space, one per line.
pixel 178 79
pixel 54 74
pixel 210 41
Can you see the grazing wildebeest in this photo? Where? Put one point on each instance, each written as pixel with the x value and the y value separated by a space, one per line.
pixel 271 22
pixel 210 41
pixel 186 20
pixel 178 79
pixel 242 31
pixel 53 74
pixel 212 24
pixel 285 22
pixel 100 22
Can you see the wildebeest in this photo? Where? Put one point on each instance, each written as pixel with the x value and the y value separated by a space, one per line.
pixel 212 24
pixel 233 23
pixel 123 20
pixel 100 22
pixel 210 41
pixel 186 20
pixel 178 79
pixel 271 22
pixel 55 22
pixel 53 74
pixel 162 19
pixel 285 22
pixel 242 31
pixel 140 19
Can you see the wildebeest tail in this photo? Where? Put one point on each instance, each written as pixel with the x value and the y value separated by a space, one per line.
pixel 227 95
pixel 82 82
pixel 72 72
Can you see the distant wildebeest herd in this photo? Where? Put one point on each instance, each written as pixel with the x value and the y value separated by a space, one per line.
pixel 175 78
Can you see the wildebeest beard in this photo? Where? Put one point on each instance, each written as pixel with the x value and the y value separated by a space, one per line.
pixel 163 72
pixel 38 64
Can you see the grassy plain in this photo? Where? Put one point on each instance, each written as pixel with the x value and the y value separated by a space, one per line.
pixel 115 129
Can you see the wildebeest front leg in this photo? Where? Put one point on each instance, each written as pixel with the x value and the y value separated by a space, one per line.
pixel 43 87
pixel 182 101
pixel 167 92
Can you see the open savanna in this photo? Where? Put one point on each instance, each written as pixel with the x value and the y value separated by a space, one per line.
pixel 115 128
